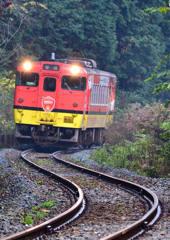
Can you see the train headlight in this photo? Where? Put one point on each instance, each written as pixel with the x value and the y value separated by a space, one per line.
pixel 75 69
pixel 27 66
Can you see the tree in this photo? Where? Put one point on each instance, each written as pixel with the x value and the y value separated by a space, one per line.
pixel 82 28
pixel 140 46
pixel 13 15
pixel 165 85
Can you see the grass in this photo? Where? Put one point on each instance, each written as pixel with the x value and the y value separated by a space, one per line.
pixel 140 142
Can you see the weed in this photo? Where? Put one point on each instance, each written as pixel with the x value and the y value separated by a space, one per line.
pixel 37 213
pixel 38 182
pixel 44 162
pixel 50 204
pixel 76 160
pixel 27 220
pixel 87 165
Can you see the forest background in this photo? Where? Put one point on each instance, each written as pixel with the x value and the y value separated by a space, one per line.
pixel 118 34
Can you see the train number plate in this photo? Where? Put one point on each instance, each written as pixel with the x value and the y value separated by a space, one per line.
pixel 68 119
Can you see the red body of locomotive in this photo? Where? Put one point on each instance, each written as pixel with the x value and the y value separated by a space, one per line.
pixel 62 101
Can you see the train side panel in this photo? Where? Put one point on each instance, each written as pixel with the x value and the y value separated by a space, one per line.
pixel 100 104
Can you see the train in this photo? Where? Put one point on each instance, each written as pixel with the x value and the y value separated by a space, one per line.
pixel 63 102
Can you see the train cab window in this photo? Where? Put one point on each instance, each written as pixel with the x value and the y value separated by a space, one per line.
pixel 27 79
pixel 73 83
pixel 49 84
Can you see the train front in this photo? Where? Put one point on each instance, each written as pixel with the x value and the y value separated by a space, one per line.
pixel 49 102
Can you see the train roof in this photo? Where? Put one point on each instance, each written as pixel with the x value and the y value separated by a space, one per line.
pixel 100 72
pixel 88 64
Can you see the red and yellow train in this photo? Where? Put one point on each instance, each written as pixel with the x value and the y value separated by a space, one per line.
pixel 62 102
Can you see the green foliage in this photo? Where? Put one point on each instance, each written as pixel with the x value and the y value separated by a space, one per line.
pixel 15 15
pixel 161 9
pixel 38 182
pixel 34 4
pixel 50 204
pixel 165 73
pixel 37 213
pixel 31 217
pixel 166 130
pixel 162 86
pixel 139 142
pixel 44 162
pixel 119 36
pixel 27 220
pixel 76 160
pixel 75 28
pixel 139 47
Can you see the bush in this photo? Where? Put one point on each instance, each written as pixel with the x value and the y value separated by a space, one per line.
pixel 140 142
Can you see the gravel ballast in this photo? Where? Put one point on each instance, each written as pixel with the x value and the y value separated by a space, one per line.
pixel 23 194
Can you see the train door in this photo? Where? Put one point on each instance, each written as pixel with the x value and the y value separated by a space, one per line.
pixel 47 99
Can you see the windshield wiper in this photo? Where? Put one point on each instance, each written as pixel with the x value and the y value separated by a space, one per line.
pixel 68 87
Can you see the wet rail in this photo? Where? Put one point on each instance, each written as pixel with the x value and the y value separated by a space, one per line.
pixel 142 224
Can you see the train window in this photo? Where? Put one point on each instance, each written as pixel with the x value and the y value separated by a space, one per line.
pixel 73 83
pixel 51 67
pixel 49 84
pixel 27 79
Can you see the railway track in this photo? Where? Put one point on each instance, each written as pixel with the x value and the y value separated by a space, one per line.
pixel 135 229
pixel 42 231
pixel 139 227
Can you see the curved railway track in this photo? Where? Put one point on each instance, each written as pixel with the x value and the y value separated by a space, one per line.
pixel 142 224
pixel 42 230
pixel 130 232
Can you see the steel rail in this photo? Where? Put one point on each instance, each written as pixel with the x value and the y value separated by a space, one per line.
pixel 56 222
pixel 139 226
